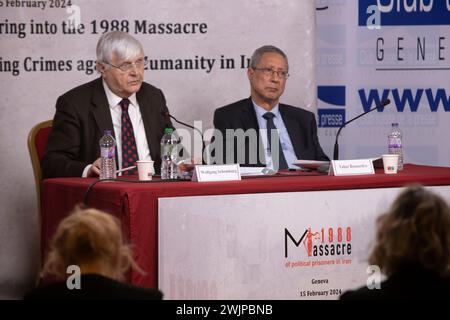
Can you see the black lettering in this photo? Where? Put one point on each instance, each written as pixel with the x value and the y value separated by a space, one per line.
pixel 161 29
pixel 380 52
pixel 420 49
pixel 203 28
pixel 399 48
pixel 441 48
pixel 139 26
pixel 288 234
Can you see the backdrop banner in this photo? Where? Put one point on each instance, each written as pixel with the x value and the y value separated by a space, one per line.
pixel 370 50
pixel 198 52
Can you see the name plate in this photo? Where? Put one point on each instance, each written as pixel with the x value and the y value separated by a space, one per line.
pixel 351 167
pixel 224 172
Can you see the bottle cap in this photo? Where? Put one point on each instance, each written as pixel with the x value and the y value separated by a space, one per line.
pixel 395 124
pixel 168 130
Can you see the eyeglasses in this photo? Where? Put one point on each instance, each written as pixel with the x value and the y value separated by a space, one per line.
pixel 268 72
pixel 127 66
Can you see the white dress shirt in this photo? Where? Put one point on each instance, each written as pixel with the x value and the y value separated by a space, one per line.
pixel 136 120
pixel 285 140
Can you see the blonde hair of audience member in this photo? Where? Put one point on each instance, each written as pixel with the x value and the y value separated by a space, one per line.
pixel 416 231
pixel 92 240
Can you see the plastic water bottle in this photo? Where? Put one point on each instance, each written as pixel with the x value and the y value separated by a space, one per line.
pixel 108 156
pixel 169 155
pixel 395 144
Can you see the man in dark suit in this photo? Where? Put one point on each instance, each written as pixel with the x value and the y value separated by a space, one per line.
pixel 262 131
pixel 119 96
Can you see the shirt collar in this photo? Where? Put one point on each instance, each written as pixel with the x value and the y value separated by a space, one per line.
pixel 113 99
pixel 260 111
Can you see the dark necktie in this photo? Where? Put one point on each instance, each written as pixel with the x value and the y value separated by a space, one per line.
pixel 271 129
pixel 129 150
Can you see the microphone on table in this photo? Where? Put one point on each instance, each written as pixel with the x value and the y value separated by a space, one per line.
pixel 167 115
pixel 383 104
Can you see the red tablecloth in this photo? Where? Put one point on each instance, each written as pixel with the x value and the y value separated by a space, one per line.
pixel 136 204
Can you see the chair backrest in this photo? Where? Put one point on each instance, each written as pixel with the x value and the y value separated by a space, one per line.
pixel 37 139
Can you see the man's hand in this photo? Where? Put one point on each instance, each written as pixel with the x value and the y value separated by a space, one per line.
pixel 94 170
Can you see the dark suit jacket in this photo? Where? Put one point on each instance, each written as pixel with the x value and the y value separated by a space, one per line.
pixel 412 282
pixel 82 115
pixel 93 287
pixel 300 124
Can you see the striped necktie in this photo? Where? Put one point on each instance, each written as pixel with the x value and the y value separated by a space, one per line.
pixel 129 150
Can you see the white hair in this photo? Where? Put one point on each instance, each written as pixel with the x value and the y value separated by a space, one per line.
pixel 125 46
pixel 257 55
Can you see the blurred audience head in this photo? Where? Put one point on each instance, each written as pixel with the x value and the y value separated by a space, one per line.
pixel 92 240
pixel 415 231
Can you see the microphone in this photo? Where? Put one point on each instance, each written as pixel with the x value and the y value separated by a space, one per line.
pixel 167 115
pixel 383 104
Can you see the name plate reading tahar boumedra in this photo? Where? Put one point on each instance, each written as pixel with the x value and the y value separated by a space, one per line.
pixel 351 167
pixel 223 172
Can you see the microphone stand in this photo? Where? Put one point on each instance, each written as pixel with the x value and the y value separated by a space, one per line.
pixel 336 144
pixel 167 114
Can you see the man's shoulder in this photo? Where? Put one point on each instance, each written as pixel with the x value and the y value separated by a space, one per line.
pixel 97 83
pixel 149 87
pixel 87 86
pixel 88 89
pixel 233 107
pixel 83 90
pixel 294 111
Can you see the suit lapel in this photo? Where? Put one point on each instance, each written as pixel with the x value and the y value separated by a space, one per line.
pixel 101 112
pixel 100 109
pixel 148 117
pixel 249 120
pixel 293 129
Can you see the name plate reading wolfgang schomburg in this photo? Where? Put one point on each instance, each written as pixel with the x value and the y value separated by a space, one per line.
pixel 208 173
pixel 351 167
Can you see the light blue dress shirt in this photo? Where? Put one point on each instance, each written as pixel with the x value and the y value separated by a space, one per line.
pixel 285 140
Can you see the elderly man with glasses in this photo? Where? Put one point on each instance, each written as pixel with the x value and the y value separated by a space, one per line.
pixel 120 101
pixel 261 131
